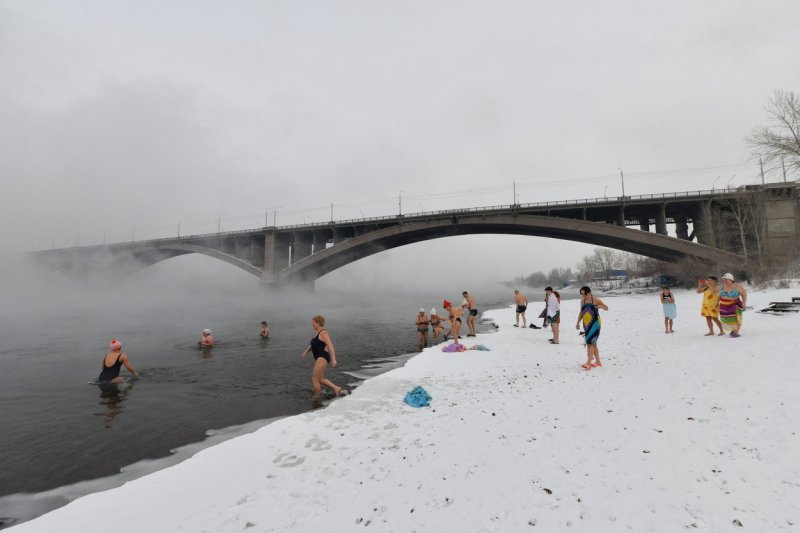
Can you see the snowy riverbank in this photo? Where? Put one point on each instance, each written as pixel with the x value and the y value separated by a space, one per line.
pixel 674 432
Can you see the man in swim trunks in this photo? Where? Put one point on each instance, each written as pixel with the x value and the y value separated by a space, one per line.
pixel 522 305
pixel 473 312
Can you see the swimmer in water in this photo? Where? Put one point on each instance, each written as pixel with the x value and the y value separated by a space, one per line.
pixel 206 341
pixel 264 330
pixel 112 364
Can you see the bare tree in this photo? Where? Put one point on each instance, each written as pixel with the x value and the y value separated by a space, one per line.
pixel 748 220
pixel 607 259
pixel 586 268
pixel 780 139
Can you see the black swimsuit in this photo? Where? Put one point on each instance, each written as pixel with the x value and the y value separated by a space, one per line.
pixel 318 348
pixel 109 373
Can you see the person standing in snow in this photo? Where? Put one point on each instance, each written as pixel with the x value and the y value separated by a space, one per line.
pixel 589 316
pixel 423 324
pixel 670 311
pixel 553 312
pixel 710 307
pixel 522 305
pixel 321 346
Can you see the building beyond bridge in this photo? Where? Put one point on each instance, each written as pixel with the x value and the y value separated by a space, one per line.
pixel 731 229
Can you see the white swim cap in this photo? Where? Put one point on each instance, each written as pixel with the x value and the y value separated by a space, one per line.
pixel 206 332
pixel 728 275
pixel 421 309
pixel 433 310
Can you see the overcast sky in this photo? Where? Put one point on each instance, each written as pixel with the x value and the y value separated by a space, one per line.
pixel 132 117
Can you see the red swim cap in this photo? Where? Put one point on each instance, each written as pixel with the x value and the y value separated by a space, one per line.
pixel 447 304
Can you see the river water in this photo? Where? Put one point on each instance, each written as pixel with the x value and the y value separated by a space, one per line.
pixel 59 429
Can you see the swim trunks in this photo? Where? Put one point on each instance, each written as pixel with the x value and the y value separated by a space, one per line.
pixel 473 312
pixel 521 308
pixel 556 318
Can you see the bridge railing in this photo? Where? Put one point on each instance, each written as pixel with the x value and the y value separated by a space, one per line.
pixel 505 207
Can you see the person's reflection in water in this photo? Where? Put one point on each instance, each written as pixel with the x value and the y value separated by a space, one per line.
pixel 206 352
pixel 112 397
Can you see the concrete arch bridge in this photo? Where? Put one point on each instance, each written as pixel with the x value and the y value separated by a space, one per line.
pixel 302 253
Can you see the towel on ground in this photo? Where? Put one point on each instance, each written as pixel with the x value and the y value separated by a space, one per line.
pixel 418 397
pixel 455 347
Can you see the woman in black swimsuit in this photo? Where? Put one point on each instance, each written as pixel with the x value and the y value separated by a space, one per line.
pixel 423 325
pixel 322 348
pixel 112 364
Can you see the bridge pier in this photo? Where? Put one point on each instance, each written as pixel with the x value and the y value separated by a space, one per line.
pixel 780 223
pixel 621 216
pixel 703 225
pixel 661 220
pixel 276 255
pixel 257 255
pixel 321 239
pixel 301 245
pixel 341 234
pixel 682 228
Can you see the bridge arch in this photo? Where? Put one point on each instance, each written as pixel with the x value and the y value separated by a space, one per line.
pixel 653 245
pixel 128 260
pixel 161 252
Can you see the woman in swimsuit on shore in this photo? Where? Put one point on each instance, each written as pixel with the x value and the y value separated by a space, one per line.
pixel 732 301
pixel 589 316
pixel 670 311
pixel 436 324
pixel 422 328
pixel 112 364
pixel 709 309
pixel 324 354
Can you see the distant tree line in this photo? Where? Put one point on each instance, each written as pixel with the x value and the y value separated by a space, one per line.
pixel 601 264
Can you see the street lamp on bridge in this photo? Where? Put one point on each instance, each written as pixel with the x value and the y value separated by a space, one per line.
pixel 274 215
